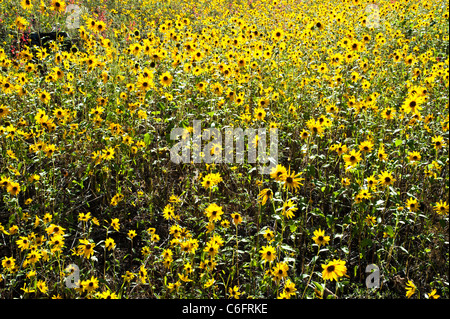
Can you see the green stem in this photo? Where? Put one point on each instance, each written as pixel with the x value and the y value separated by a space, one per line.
pixel 312 270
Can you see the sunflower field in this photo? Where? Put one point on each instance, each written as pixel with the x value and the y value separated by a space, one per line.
pixel 92 206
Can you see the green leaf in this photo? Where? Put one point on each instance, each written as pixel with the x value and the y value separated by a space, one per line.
pixel 318 286
pixel 389 230
pixel 287 247
pixel 310 170
pixel 147 139
pixel 147 95
pixel 293 228
pixel 289 259
pixel 330 220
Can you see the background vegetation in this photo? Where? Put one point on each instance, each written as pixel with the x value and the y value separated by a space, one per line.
pixel 85 170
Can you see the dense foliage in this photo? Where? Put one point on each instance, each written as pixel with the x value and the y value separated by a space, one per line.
pixel 358 94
